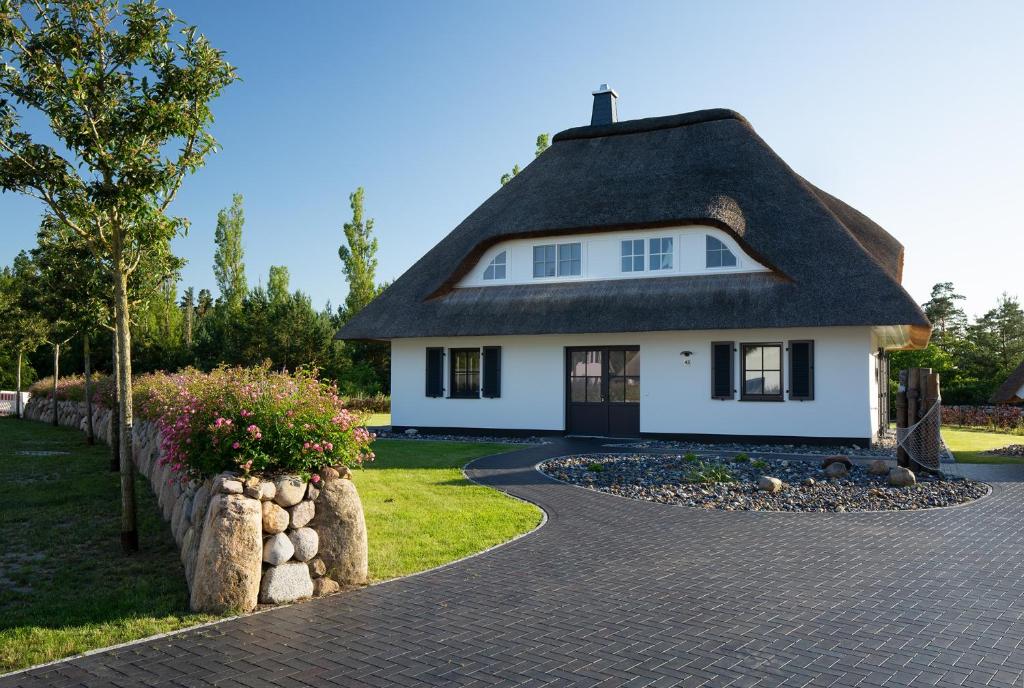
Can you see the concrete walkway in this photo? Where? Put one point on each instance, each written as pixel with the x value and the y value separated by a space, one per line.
pixel 617 592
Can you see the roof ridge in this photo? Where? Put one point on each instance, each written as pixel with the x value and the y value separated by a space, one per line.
pixel 636 126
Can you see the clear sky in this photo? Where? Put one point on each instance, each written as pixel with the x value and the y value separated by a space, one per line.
pixel 913 112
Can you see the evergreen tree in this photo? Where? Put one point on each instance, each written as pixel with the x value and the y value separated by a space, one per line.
pixel 228 260
pixel 542 144
pixel 948 319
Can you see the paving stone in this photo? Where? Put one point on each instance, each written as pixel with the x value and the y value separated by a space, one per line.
pixel 616 592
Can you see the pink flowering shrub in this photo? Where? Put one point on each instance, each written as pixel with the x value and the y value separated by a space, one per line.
pixel 250 420
pixel 69 387
pixel 253 421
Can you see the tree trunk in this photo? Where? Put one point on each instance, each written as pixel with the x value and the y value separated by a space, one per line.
pixel 115 416
pixel 17 379
pixel 129 530
pixel 56 366
pixel 90 437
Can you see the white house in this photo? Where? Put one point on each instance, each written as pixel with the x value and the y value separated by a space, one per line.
pixel 669 276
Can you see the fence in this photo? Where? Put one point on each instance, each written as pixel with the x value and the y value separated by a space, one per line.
pixel 8 405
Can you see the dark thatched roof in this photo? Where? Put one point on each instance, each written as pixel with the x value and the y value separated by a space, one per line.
pixel 1007 392
pixel 831 265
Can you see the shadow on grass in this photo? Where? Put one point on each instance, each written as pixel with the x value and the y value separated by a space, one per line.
pixel 65 585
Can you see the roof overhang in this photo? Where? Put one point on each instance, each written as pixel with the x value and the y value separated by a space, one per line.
pixel 901 337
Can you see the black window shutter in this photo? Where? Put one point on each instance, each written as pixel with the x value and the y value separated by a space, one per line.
pixel 801 370
pixel 721 370
pixel 435 371
pixel 492 372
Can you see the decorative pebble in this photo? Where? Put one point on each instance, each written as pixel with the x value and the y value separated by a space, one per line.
pixel 668 479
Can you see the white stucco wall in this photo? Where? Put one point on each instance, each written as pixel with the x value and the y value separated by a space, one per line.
pixel 601 255
pixel 675 398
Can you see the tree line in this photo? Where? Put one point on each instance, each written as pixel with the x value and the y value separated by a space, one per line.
pixel 973 357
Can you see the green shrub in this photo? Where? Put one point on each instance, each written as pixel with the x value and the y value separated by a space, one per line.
pixel 689 457
pixel 709 474
pixel 595 467
pixel 741 457
pixel 759 464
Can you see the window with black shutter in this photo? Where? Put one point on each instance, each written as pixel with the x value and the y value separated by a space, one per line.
pixel 435 371
pixel 492 372
pixel 721 370
pixel 801 370
pixel 464 376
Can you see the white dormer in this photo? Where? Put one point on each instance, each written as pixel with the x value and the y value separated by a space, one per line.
pixel 690 250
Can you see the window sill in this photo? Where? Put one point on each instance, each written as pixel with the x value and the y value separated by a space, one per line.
pixel 463 396
pixel 761 398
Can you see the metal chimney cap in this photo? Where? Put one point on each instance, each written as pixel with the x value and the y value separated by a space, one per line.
pixel 604 89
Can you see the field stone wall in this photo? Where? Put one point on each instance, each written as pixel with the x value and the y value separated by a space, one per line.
pixel 245 540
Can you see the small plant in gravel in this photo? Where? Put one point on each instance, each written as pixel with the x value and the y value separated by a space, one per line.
pixel 690 457
pixel 759 464
pixel 710 473
pixel 595 467
pixel 741 457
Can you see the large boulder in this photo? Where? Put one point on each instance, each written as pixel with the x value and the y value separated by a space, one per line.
pixel 829 460
pixel 306 543
pixel 836 470
pixel 289 490
pixel 769 484
pixel 286 583
pixel 302 513
pixel 277 549
pixel 901 477
pixel 341 526
pixel 275 519
pixel 878 467
pixel 229 560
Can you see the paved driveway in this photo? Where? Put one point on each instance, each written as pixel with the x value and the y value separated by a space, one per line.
pixel 616 592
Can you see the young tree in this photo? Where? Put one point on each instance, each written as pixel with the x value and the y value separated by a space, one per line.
pixel 359 258
pixel 228 261
pixel 21 331
pixel 126 91
pixel 188 307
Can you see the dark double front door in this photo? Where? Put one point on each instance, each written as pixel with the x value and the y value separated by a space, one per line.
pixel 603 391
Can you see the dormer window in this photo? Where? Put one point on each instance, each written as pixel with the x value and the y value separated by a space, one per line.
pixel 633 255
pixel 561 260
pixel 718 254
pixel 496 268
pixel 661 253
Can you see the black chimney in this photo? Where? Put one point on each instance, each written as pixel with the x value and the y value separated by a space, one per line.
pixel 605 111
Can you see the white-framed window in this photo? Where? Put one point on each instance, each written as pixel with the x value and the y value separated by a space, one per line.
pixel 495 270
pixel 633 255
pixel 562 260
pixel 718 254
pixel 661 253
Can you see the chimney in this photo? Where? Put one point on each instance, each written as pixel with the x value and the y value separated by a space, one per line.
pixel 605 111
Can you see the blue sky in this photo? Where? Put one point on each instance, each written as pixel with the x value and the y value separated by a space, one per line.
pixel 910 111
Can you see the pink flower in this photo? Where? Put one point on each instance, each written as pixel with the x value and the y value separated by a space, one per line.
pixel 315 478
pixel 235 445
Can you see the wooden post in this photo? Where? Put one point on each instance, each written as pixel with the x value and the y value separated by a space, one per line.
pixel 931 397
pixel 56 366
pixel 17 398
pixel 901 415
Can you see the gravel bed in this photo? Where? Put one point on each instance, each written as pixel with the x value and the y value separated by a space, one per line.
pixel 669 479
pixel 1009 450
pixel 884 448
pixel 388 435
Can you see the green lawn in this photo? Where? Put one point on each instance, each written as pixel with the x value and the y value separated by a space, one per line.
pixel 377 419
pixel 421 512
pixel 65 587
pixel 968 443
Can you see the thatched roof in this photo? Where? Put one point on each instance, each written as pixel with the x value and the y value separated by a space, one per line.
pixel 1010 391
pixel 831 265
